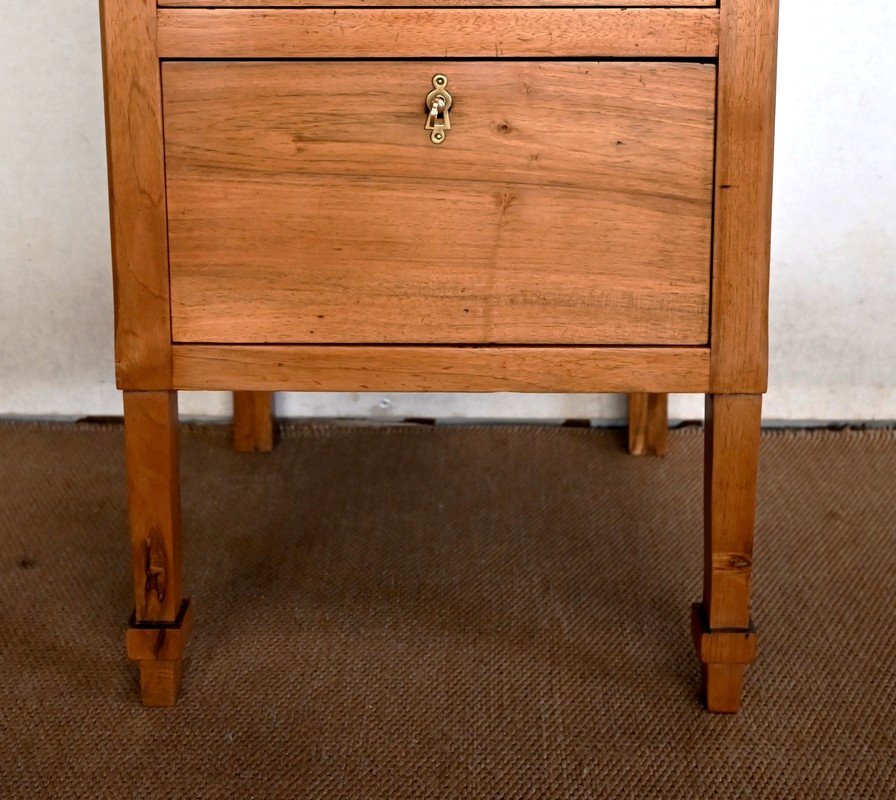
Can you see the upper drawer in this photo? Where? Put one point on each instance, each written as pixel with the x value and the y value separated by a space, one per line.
pixel 430 3
pixel 352 33
pixel 570 203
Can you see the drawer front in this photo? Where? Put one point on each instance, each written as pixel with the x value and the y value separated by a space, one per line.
pixel 570 203
pixel 407 3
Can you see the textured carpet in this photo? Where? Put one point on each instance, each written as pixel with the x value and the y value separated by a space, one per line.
pixel 491 612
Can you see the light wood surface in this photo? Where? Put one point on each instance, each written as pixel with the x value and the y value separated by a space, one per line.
pixel 160 682
pixel 722 687
pixel 733 424
pixel 648 424
pixel 137 193
pixel 732 462
pixel 724 656
pixel 571 203
pixel 445 32
pixel 441 369
pixel 151 450
pixel 383 3
pixel 730 475
pixel 151 453
pixel 722 646
pixel 744 154
pixel 253 422
pixel 162 643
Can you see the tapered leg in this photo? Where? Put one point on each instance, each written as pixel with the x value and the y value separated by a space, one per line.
pixel 648 424
pixel 723 633
pixel 253 422
pixel 162 618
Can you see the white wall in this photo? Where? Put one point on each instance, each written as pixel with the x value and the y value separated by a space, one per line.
pixel 834 249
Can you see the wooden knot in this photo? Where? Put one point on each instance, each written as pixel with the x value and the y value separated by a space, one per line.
pixel 155 569
pixel 732 562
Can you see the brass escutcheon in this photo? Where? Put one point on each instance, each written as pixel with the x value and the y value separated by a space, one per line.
pixel 438 102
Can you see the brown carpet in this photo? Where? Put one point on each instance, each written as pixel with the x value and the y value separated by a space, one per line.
pixel 491 612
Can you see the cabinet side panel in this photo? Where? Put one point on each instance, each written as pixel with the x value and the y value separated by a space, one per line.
pixel 743 192
pixel 136 194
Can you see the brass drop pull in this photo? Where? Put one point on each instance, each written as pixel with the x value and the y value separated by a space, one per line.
pixel 438 101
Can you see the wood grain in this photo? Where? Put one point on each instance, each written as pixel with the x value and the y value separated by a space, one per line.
pixel 648 424
pixel 722 687
pixel 441 369
pixel 571 203
pixel 744 155
pixel 136 193
pixel 253 422
pixel 570 207
pixel 386 3
pixel 446 33
pixel 724 657
pixel 733 425
pixel 160 682
pixel 161 643
pixel 721 646
pixel 151 452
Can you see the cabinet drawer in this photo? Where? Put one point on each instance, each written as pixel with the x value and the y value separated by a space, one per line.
pixel 407 3
pixel 570 202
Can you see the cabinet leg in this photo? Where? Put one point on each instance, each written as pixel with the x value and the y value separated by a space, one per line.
pixel 253 422
pixel 162 619
pixel 648 424
pixel 160 682
pixel 723 633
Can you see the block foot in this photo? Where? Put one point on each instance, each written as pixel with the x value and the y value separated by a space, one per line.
pixel 724 655
pixel 722 687
pixel 158 650
pixel 160 683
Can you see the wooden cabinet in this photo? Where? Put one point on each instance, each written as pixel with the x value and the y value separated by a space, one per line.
pixel 385 196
